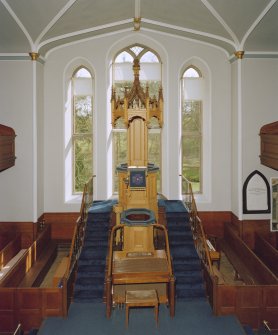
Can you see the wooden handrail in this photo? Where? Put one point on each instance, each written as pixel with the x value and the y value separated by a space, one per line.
pixel 168 255
pixel 199 236
pixel 79 229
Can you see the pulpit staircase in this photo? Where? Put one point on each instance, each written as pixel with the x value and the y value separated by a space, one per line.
pixel 186 262
pixel 89 284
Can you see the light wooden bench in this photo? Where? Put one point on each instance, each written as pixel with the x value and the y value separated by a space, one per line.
pixel 141 298
pixel 213 254
pixel 60 271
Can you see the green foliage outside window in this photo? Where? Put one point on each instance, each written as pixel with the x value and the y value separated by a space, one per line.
pixel 82 141
pixel 192 142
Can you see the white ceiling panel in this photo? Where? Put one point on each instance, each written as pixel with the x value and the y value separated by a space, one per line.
pixel 36 14
pixel 239 14
pixel 12 38
pixel 39 25
pixel 85 14
pixel 184 13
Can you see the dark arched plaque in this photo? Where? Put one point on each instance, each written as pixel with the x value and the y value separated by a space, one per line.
pixel 256 194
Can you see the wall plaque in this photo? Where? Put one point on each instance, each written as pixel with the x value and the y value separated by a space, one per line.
pixel 256 194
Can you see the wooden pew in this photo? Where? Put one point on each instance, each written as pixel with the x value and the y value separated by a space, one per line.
pixel 246 264
pixel 267 253
pixel 13 262
pixel 5 238
pixel 28 268
pixel 10 250
pixel 42 253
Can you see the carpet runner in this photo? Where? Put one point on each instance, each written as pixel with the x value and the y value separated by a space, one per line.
pixel 89 284
pixel 186 263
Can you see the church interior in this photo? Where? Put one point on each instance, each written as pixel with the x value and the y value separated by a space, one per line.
pixel 138 167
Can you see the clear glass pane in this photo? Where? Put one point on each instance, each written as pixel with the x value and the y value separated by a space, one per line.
pixel 191 73
pixel 121 86
pixel 136 49
pixel 153 87
pixel 120 124
pixel 154 155
pixel 83 162
pixel 83 73
pixel 154 124
pixel 120 153
pixel 82 114
pixel 149 57
pixel 191 161
pixel 191 116
pixel 124 57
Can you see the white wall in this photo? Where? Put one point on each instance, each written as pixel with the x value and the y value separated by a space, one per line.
pixel 236 114
pixel 174 52
pixel 40 137
pixel 16 183
pixel 260 106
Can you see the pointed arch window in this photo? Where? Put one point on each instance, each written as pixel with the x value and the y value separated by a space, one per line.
pixel 82 125
pixel 192 125
pixel 150 75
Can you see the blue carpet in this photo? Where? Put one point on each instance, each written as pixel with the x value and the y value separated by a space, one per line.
pixel 192 318
pixel 186 263
pixel 102 206
pixel 89 284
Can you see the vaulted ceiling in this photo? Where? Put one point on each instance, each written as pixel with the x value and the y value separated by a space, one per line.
pixel 40 25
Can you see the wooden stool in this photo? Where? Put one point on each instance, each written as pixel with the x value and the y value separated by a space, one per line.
pixel 143 298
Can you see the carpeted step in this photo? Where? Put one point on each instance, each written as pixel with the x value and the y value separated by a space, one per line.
pixel 90 278
pixel 181 251
pixel 186 262
pixel 188 277
pixel 96 243
pixel 84 296
pixel 196 291
pixel 88 282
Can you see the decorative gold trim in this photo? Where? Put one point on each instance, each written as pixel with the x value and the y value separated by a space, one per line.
pixel 34 55
pixel 137 23
pixel 239 54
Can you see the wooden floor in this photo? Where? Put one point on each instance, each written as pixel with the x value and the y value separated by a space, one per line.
pixel 62 251
pixel 227 271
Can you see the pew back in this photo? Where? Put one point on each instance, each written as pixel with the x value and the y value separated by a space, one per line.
pixel 250 268
pixel 267 253
pixel 10 250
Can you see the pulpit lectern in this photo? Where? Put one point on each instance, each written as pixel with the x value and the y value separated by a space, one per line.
pixel 139 256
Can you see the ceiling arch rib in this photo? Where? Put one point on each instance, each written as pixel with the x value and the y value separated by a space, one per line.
pixel 38 25
pixel 221 20
pixel 54 20
pixel 190 31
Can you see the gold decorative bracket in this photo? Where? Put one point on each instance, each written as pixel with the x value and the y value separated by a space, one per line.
pixel 137 23
pixel 34 55
pixel 239 54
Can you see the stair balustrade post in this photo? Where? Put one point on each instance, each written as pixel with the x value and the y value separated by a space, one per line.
pixel 108 287
pixel 172 296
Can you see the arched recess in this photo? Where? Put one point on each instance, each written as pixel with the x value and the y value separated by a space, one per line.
pixel 149 45
pixel 195 94
pixel 79 87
